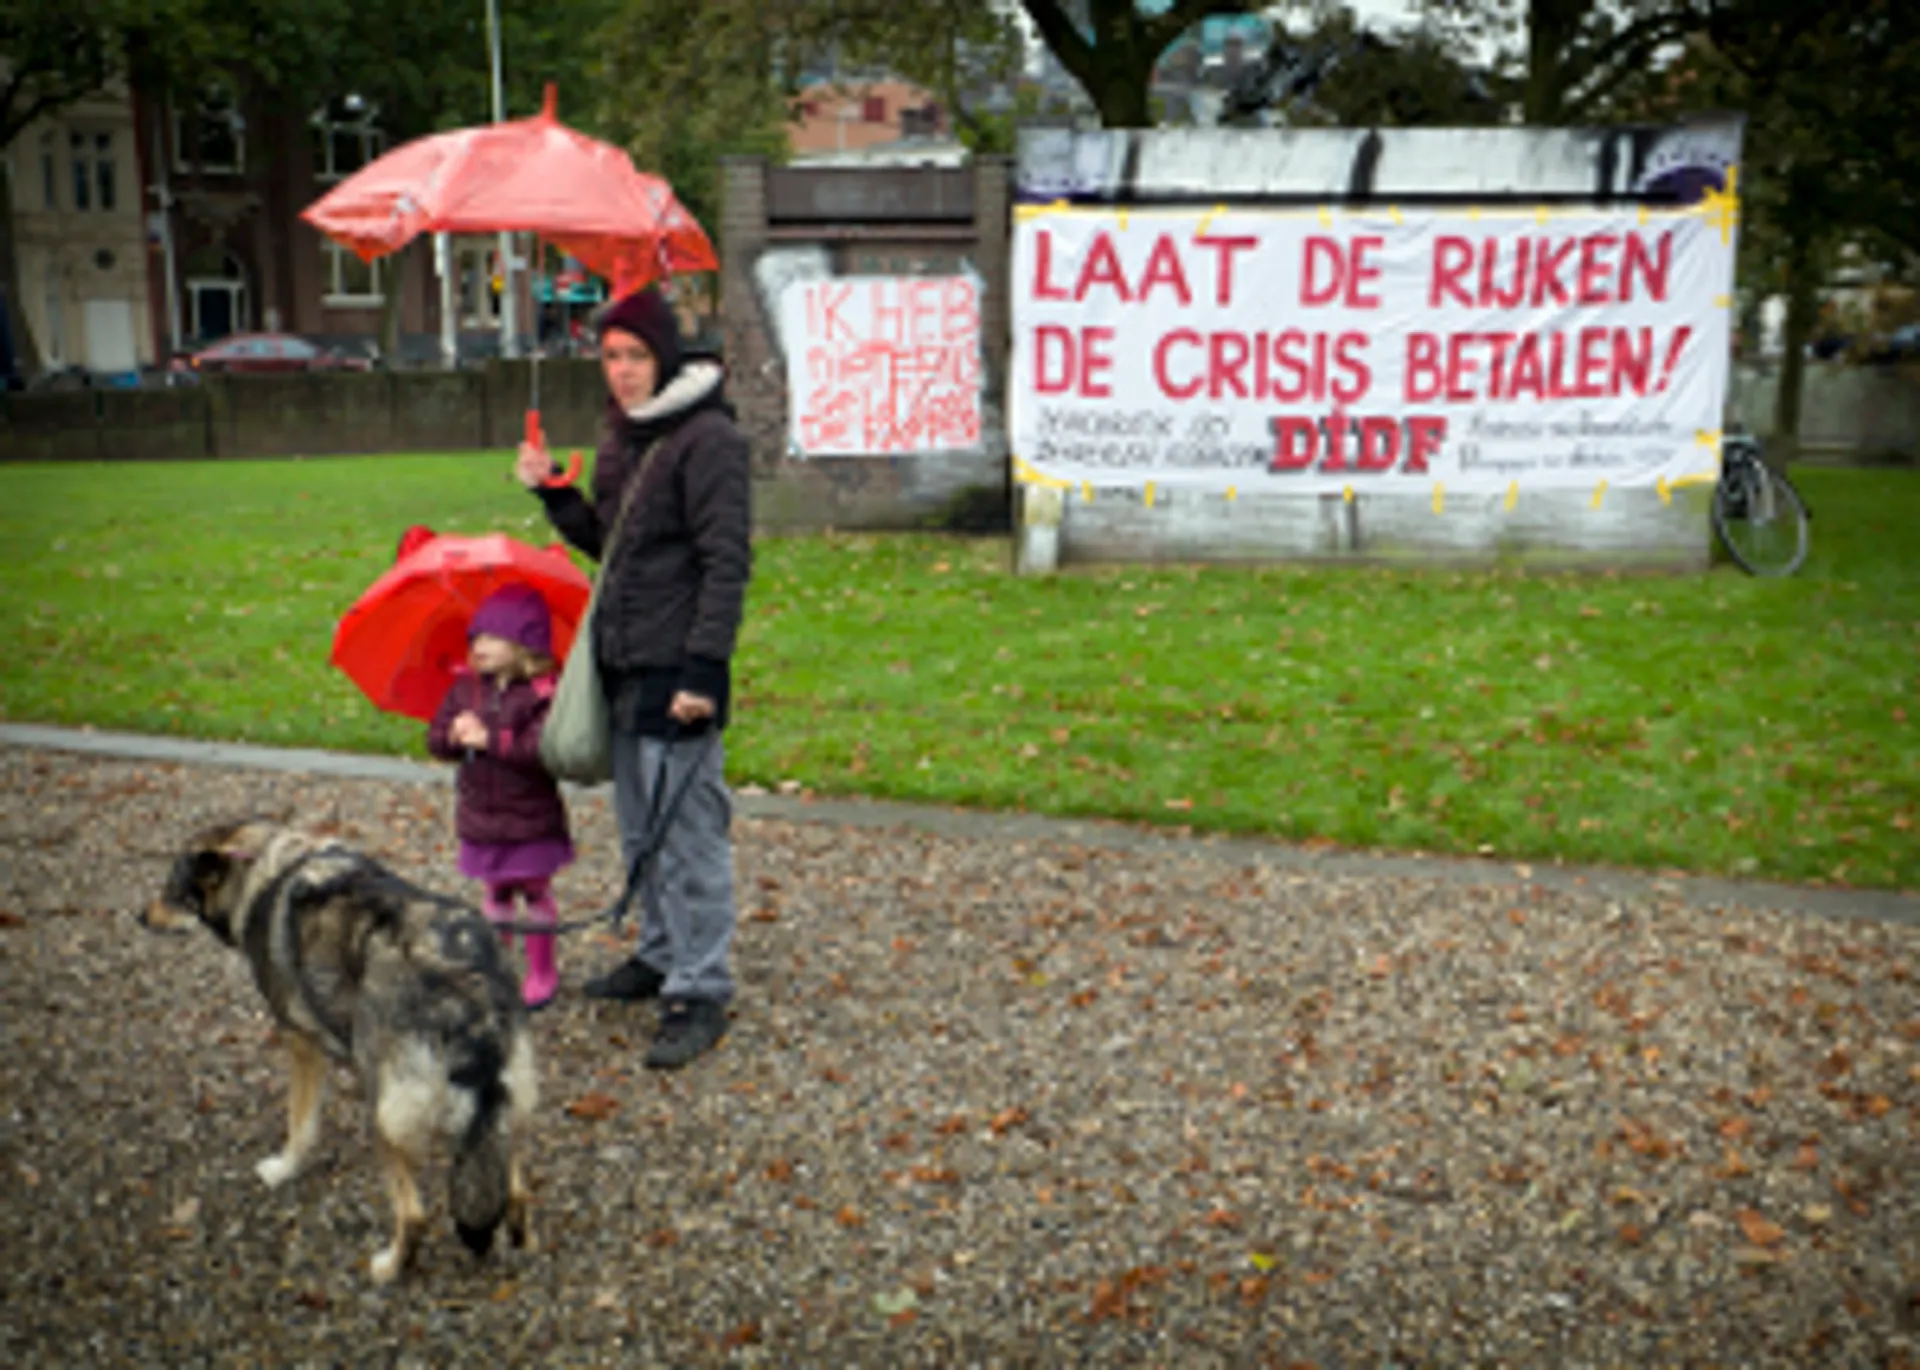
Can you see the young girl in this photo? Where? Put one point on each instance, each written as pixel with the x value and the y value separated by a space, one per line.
pixel 509 815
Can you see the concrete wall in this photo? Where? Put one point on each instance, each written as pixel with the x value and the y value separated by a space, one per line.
pixel 1868 413
pixel 307 415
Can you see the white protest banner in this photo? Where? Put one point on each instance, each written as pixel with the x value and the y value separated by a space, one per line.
pixel 1332 350
pixel 882 364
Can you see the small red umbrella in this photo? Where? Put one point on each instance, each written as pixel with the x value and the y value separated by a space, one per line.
pixel 536 176
pixel 404 638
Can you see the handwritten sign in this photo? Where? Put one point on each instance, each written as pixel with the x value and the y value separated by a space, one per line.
pixel 883 364
pixel 1328 351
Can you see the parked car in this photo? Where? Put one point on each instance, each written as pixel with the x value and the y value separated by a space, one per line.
pixel 266 352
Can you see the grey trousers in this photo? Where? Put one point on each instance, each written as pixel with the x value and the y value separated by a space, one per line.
pixel 688 915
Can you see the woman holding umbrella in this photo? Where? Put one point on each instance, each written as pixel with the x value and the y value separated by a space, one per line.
pixel 668 519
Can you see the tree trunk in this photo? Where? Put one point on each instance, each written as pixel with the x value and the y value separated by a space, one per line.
pixel 1122 96
pixel 26 348
pixel 396 272
pixel 1551 26
pixel 1803 306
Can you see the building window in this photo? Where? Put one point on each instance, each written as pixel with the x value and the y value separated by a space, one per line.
pixel 345 279
pixel 82 170
pixel 345 138
pixel 873 110
pixel 212 136
pixel 93 178
pixel 49 173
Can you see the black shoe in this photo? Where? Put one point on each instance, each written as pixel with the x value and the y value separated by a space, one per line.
pixel 688 1028
pixel 632 980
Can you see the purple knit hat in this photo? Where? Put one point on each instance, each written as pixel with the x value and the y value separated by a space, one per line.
pixel 647 315
pixel 516 613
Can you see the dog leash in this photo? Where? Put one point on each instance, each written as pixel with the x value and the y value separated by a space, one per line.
pixel 659 824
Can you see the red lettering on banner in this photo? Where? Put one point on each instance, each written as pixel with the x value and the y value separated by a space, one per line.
pixel 1460 369
pixel 1595 362
pixel 1497 370
pixel 1227 364
pixel 1425 379
pixel 1167 385
pixel 1094 360
pixel 1043 287
pixel 1102 267
pixel 1632 359
pixel 1592 383
pixel 1378 442
pixel 1051 339
pixel 1361 272
pixel 1223 249
pixel 1452 260
pixel 1426 435
pixel 1163 268
pixel 1335 428
pixel 826 323
pixel 1515 291
pixel 1286 348
pixel 1082 361
pixel 1379 445
pixel 1293 444
pixel 1594 269
pixel 1652 270
pixel 1588 269
pixel 1357 375
pixel 1319 252
pixel 1526 368
pixel 1547 259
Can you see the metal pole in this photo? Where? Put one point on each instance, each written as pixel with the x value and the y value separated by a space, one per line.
pixel 509 307
pixel 443 263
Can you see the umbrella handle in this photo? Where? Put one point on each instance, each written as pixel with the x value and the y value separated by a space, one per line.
pixel 535 439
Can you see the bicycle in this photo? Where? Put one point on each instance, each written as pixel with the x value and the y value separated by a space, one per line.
pixel 1759 516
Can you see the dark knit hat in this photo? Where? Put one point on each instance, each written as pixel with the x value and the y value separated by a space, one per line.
pixel 516 613
pixel 647 315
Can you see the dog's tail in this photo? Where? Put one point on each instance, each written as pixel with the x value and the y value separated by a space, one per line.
pixel 477 1186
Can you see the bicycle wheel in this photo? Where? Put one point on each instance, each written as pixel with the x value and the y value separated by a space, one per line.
pixel 1761 519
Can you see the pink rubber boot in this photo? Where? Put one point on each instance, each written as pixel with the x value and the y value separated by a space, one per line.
pixel 542 979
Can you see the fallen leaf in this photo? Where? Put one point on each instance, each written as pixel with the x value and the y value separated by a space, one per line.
pixel 1757 1229
pixel 663 1238
pixel 849 1216
pixel 898 1301
pixel 746 1334
pixel 1179 803
pixel 594 1107
pixel 1007 1119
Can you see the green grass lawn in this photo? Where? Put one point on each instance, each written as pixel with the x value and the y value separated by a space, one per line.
pixel 1710 723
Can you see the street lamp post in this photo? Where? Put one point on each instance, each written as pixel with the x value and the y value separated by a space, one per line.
pixel 509 299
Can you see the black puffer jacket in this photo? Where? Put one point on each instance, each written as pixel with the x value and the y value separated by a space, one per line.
pixel 670 614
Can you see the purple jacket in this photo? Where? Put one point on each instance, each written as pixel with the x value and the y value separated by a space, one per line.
pixel 505 795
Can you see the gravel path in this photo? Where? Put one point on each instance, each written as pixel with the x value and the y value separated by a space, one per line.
pixel 991 1102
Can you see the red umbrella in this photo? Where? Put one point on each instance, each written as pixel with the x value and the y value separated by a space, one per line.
pixel 533 175
pixel 403 639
